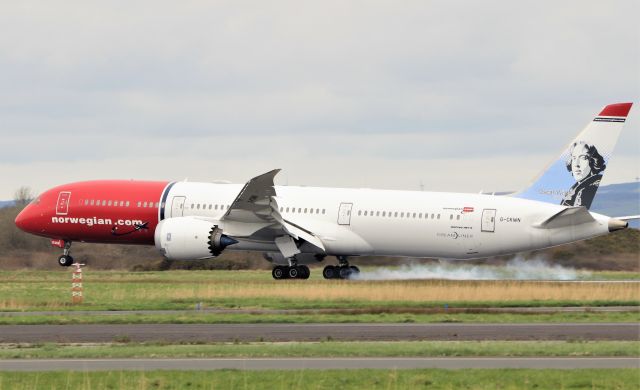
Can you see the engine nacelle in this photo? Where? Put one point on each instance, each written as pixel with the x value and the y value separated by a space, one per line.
pixel 187 238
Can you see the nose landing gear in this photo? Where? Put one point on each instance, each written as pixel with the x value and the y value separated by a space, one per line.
pixel 66 260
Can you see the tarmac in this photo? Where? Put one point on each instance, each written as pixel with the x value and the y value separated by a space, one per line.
pixel 192 333
pixel 313 363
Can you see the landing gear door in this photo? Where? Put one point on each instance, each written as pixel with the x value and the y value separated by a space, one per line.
pixel 344 214
pixel 177 206
pixel 489 220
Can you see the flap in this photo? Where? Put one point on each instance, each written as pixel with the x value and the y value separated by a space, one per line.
pixel 570 216
pixel 294 230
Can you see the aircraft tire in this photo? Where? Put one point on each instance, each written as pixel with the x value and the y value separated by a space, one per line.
pixel 278 272
pixel 329 272
pixel 293 272
pixel 65 260
pixel 304 272
pixel 354 269
pixel 344 272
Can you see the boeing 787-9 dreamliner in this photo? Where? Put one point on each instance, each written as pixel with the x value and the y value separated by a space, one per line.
pixel 295 226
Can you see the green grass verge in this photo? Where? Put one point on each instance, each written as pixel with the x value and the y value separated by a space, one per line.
pixel 215 318
pixel 178 290
pixel 329 379
pixel 326 349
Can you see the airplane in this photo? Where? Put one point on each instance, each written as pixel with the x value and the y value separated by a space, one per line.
pixel 298 226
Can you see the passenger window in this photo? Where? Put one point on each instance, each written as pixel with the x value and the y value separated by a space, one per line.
pixel 299 210
pixel 420 216
pixel 458 217
pixel 323 211
pixel 86 202
pixel 156 205
pixel 317 211
pixel 414 215
pixel 305 210
pixel 450 216
pixel 395 214
pixel 104 202
pixel 365 213
pixel 139 204
pixel 92 202
pixel 293 209
pixel 438 216
pixel 198 206
pixel 192 206
pixel 377 213
pixel 287 209
pixel 127 204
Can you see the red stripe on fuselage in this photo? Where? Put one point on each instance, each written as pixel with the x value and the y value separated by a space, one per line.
pixel 109 211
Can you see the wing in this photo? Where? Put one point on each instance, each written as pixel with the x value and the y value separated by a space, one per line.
pixel 253 203
pixel 256 205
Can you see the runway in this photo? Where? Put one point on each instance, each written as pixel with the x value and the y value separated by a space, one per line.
pixel 314 332
pixel 313 363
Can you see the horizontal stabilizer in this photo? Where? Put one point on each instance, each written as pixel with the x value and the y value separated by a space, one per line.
pixel 570 216
pixel 628 217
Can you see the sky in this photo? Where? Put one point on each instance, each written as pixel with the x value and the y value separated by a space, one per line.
pixel 435 95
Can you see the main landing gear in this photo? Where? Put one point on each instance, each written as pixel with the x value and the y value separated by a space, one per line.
pixel 291 272
pixel 342 271
pixel 66 260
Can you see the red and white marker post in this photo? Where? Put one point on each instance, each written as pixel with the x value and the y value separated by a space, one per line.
pixel 76 284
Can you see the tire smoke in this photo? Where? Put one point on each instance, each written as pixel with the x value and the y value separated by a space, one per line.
pixel 516 269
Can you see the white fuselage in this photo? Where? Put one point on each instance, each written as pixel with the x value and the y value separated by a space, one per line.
pixel 395 223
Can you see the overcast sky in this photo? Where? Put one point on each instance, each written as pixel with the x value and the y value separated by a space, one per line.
pixel 456 95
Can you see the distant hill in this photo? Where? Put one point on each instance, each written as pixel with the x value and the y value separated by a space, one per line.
pixel 617 200
pixel 6 203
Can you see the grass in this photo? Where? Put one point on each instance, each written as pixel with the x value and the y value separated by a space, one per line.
pixel 247 318
pixel 327 379
pixel 109 290
pixel 325 349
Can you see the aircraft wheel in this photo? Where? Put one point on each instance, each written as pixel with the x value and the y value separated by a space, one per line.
pixel 304 272
pixel 294 272
pixel 278 272
pixel 345 272
pixel 65 260
pixel 329 272
pixel 354 269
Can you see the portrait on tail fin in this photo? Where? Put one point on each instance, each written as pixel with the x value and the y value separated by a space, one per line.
pixel 586 165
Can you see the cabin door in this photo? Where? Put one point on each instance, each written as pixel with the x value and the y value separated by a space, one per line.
pixel 344 213
pixel 177 206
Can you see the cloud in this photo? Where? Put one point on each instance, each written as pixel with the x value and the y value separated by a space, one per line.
pixel 381 82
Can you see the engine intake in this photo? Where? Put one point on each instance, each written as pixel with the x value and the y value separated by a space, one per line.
pixel 187 238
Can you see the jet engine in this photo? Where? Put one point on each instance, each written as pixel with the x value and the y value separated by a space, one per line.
pixel 188 238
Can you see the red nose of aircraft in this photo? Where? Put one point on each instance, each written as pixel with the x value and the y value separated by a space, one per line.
pixel 26 219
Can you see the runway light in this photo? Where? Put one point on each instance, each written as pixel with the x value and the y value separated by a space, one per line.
pixel 76 284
